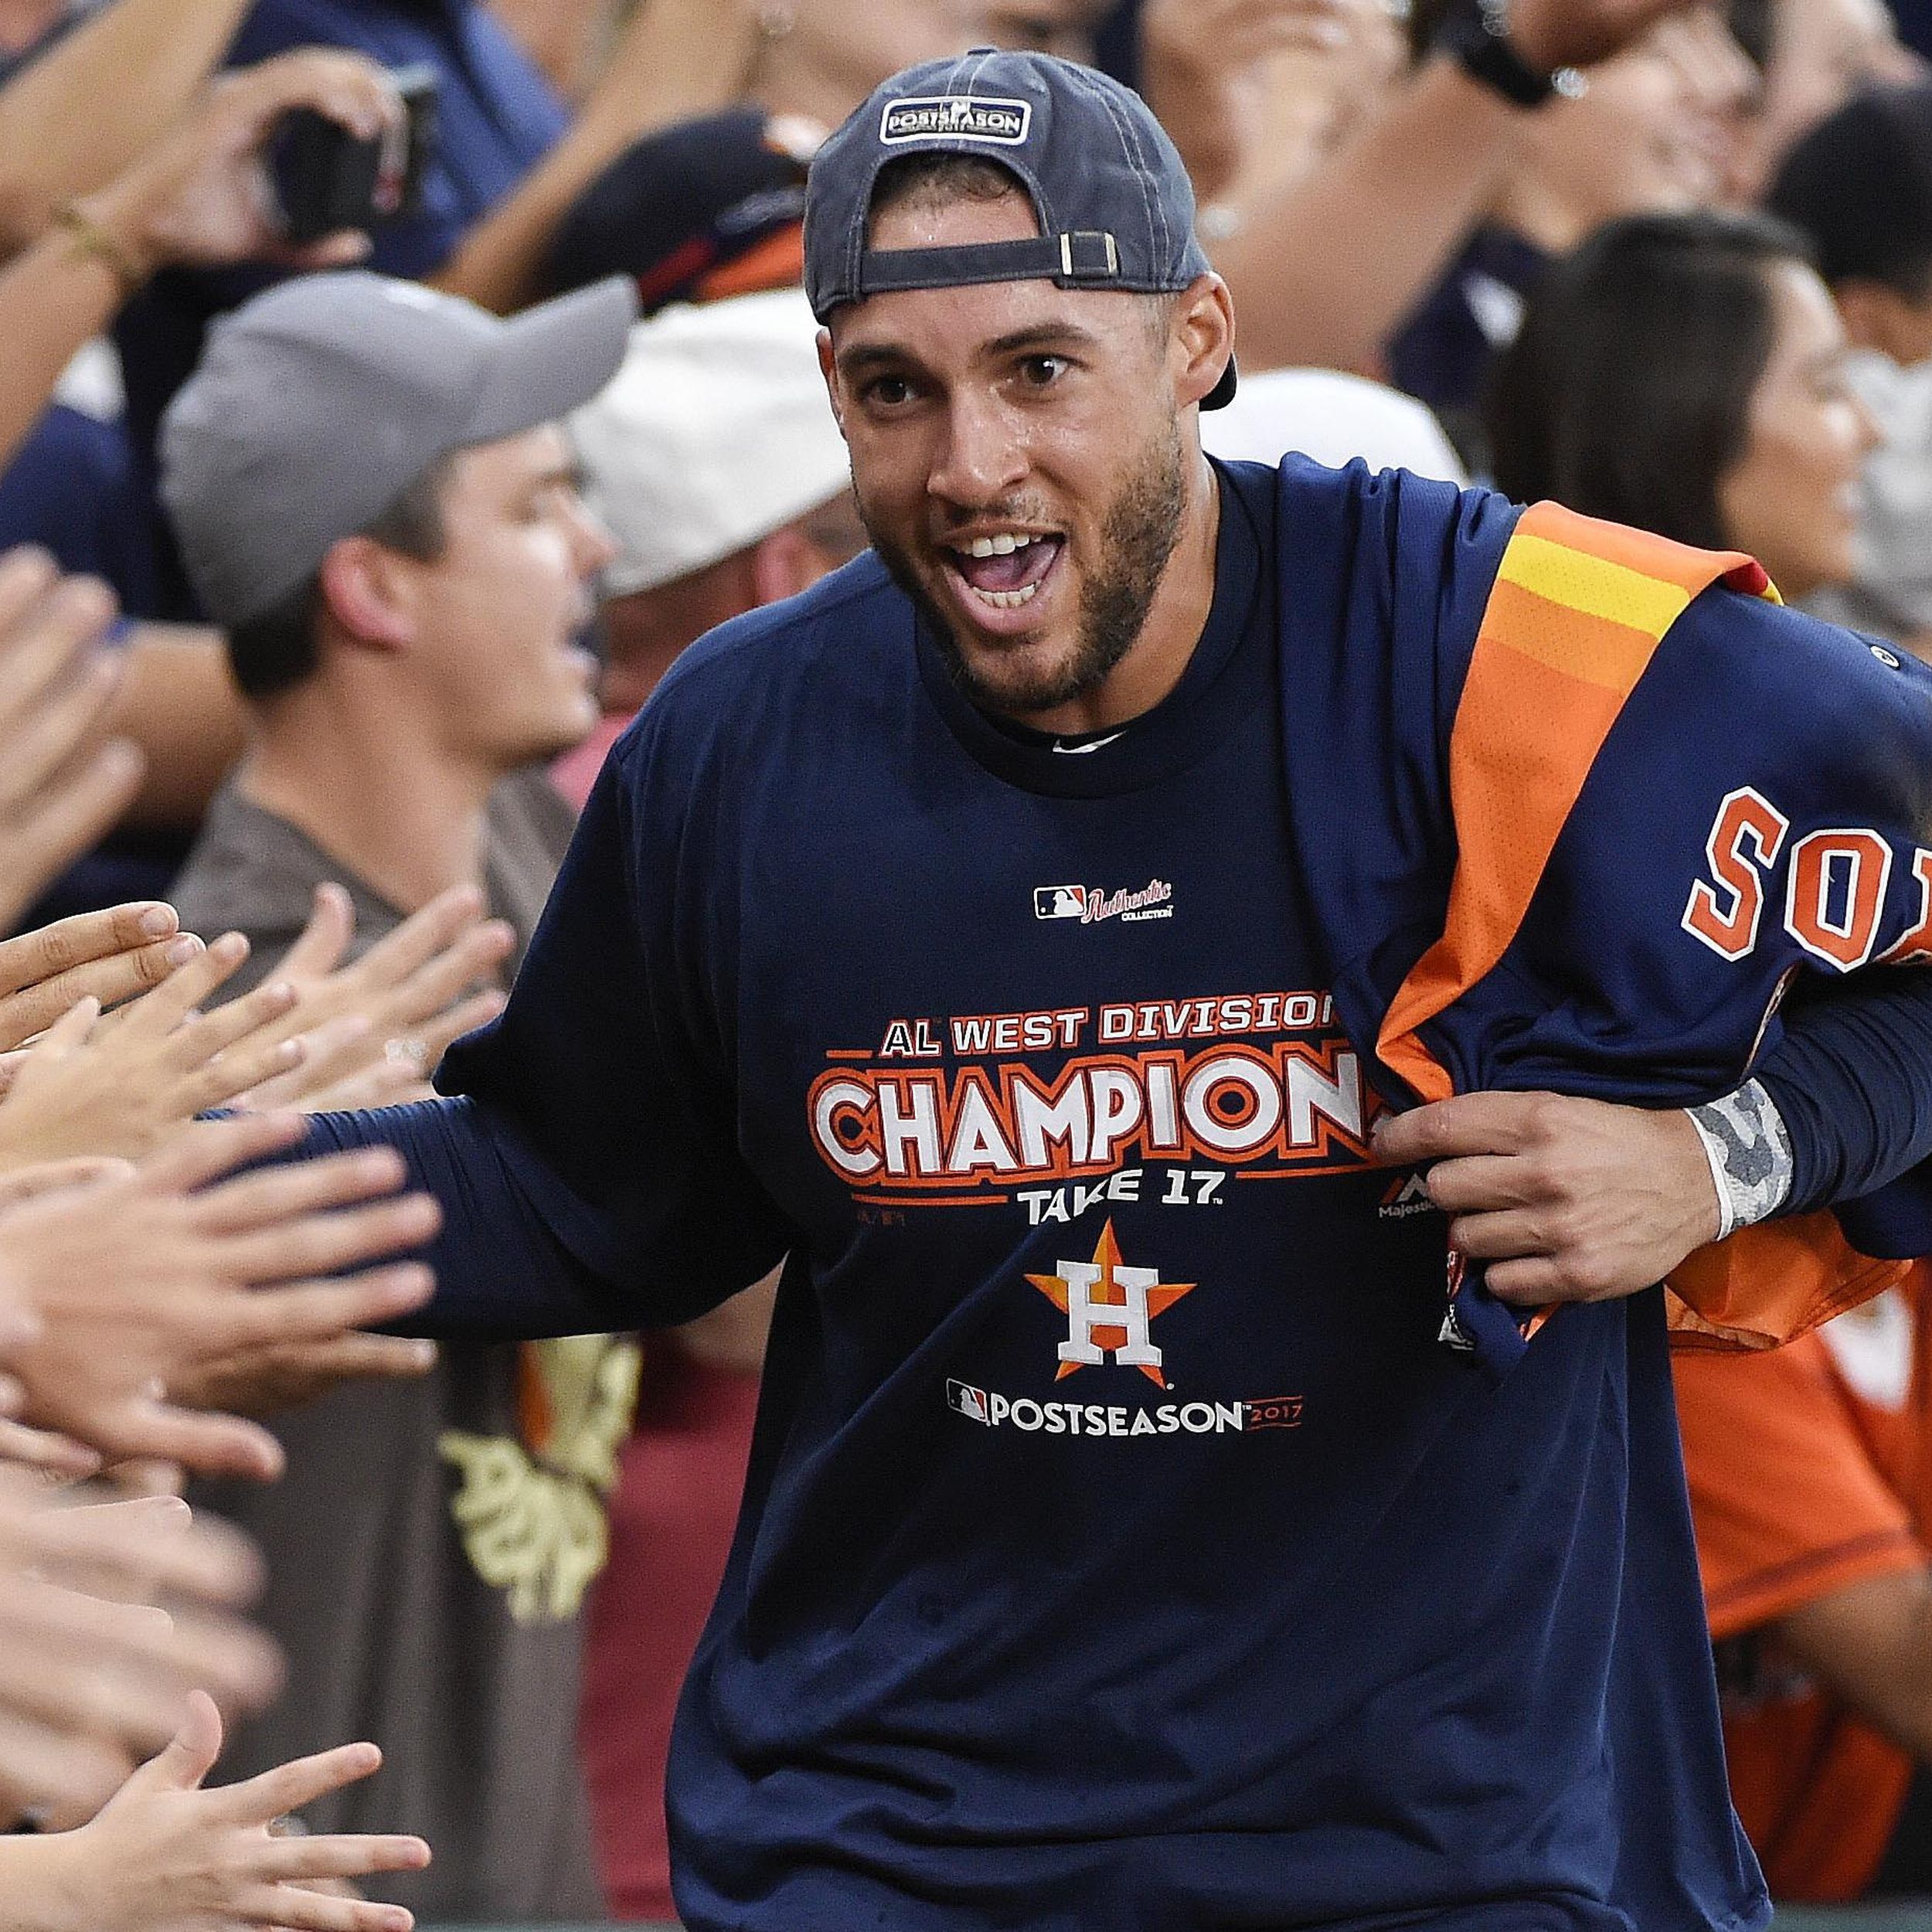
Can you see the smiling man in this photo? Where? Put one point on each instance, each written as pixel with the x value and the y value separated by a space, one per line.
pixel 1014 934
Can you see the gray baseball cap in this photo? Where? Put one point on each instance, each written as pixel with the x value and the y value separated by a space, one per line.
pixel 1115 206
pixel 317 404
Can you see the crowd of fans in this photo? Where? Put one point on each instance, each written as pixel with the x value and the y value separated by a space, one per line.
pixel 304 542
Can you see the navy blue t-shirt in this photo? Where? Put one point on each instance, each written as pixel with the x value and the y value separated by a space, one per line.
pixel 1121 1549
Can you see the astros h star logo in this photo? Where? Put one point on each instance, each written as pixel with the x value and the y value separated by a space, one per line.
pixel 1109 1308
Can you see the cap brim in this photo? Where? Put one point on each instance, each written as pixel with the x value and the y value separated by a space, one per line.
pixel 552 358
pixel 1222 392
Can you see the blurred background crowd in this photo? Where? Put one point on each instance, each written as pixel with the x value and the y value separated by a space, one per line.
pixel 293 731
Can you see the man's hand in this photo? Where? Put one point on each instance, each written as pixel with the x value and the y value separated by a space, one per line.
pixel 1566 1200
pixel 109 956
pixel 164 1854
pixel 1550 34
pixel 203 198
pixel 121 1086
pixel 92 1668
pixel 138 1279
pixel 59 789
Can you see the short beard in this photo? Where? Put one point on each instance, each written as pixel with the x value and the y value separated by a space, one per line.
pixel 1137 539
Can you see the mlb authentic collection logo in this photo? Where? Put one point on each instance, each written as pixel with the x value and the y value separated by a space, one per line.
pixel 1089 904
pixel 1004 124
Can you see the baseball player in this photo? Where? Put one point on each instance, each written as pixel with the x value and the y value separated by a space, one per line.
pixel 1019 935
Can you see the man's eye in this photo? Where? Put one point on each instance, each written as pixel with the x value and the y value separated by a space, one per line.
pixel 888 392
pixel 1041 371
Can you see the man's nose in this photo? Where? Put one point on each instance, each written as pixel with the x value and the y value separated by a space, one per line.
pixel 595 548
pixel 984 457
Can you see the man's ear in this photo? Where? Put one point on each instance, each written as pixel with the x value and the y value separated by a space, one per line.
pixel 1203 337
pixel 366 588
pixel 785 563
pixel 828 368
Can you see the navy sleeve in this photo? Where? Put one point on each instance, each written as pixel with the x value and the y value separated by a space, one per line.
pixel 610 1084
pixel 1852 1077
pixel 502 1273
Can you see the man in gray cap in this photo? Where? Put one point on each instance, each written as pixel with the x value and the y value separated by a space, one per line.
pixel 1012 935
pixel 374 500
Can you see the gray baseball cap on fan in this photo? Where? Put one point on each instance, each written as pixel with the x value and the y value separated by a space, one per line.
pixel 1111 195
pixel 317 404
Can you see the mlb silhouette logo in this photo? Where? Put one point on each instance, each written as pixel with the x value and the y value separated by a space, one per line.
pixel 970 1402
pixel 1059 902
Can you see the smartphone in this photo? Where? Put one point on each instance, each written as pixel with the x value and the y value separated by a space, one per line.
pixel 327 179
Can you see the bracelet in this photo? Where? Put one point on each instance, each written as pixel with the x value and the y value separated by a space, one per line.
pixel 1749 1148
pixel 92 240
pixel 1477 36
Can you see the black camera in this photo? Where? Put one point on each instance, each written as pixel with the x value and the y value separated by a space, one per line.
pixel 328 178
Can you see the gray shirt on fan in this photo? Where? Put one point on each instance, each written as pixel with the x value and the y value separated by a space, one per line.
pixel 429 1546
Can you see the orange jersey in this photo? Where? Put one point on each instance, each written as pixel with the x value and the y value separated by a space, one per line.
pixel 1811 1470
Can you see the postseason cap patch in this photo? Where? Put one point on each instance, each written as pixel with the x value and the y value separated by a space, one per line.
pixel 1004 124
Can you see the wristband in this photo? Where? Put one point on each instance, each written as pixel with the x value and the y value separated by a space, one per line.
pixel 90 240
pixel 1477 36
pixel 1749 1148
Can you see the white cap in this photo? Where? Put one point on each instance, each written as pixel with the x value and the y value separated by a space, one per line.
pixel 716 432
pixel 1333 418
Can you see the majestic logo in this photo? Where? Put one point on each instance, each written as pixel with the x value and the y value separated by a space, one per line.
pixel 1003 123
pixel 1089 904
pixel 1405 1198
pixel 1110 1308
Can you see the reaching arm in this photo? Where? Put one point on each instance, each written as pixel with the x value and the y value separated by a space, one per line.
pixel 675 60
pixel 55 142
pixel 1408 188
pixel 502 1273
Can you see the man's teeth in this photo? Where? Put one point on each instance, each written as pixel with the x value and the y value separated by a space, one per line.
pixel 1007 600
pixel 1003 545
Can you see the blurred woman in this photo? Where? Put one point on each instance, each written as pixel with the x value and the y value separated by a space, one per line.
pixel 1686 373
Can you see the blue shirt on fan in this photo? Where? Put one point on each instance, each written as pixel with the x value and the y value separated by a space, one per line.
pixel 1122 1550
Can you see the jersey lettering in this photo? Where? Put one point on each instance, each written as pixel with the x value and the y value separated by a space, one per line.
pixel 1725 909
pixel 1836 894
pixel 1916 945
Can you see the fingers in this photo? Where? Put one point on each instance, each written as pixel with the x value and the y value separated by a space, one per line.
pixel 51 1177
pixel 160 1012
pixel 295 1859
pixel 1534 1281
pixel 359 1358
pixel 326 937
pixel 52 951
pixel 210 1445
pixel 1498 1237
pixel 123 977
pixel 1468 1123
pixel 69 816
pixel 438 1035
pixel 190 1755
pixel 288 1909
pixel 350 90
pixel 1483 1183
pixel 289 1787
pixel 420 937
pixel 276 1196
pixel 209 1149
pixel 45 638
pixel 321 1310
pixel 429 991
pixel 51 1454
pixel 325 1244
